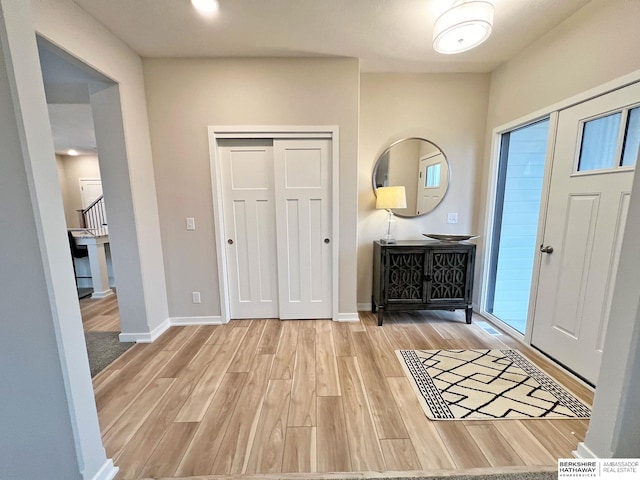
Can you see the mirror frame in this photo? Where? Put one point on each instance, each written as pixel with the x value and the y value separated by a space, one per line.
pixel 377 164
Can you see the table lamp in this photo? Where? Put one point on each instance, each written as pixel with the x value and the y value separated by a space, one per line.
pixel 388 198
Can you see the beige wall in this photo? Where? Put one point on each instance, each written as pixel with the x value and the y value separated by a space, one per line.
pixel 184 97
pixel 447 109
pixel 72 170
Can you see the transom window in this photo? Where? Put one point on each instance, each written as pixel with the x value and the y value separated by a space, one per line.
pixel 611 141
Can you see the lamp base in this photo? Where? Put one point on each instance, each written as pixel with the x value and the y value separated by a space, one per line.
pixel 388 240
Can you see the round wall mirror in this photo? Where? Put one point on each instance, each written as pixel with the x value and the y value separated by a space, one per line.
pixel 421 166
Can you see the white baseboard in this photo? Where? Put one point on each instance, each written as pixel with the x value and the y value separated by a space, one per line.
pixel 105 294
pixel 107 472
pixel 583 452
pixel 213 320
pixel 146 337
pixel 364 307
pixel 347 317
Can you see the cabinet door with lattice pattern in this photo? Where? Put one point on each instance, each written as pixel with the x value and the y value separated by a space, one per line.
pixel 448 273
pixel 405 273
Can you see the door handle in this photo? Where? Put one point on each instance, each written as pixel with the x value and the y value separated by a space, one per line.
pixel 547 249
pixel 326 240
pixel 230 242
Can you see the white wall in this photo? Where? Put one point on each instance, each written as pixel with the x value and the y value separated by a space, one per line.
pixel 127 168
pixel 187 95
pixel 447 109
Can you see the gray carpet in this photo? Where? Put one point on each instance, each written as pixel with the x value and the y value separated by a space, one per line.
pixel 103 348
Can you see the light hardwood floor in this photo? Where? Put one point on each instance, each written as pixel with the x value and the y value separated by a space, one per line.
pixel 269 397
pixel 100 315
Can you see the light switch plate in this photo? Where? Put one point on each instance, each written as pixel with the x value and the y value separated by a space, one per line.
pixel 452 218
pixel 191 223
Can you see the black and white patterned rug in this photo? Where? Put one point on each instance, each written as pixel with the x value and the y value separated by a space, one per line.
pixel 485 384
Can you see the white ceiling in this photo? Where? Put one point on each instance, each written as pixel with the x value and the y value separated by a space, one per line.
pixel 387 35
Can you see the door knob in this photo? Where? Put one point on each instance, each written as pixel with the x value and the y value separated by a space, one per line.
pixel 326 240
pixel 547 249
pixel 230 242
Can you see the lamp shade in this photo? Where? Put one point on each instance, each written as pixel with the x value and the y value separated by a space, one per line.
pixel 464 26
pixel 391 197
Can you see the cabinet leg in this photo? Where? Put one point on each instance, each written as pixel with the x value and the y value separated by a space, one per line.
pixel 468 312
pixel 380 319
pixel 374 308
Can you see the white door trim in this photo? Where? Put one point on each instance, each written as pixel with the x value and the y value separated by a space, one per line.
pixel 270 131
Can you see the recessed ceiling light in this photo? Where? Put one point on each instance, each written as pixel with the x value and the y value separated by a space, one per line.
pixel 72 152
pixel 208 7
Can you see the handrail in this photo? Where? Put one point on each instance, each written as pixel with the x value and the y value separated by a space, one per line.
pixel 90 206
pixel 94 216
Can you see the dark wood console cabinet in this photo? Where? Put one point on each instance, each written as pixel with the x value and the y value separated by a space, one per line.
pixel 422 275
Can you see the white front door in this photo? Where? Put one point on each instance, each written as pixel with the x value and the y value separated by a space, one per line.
pixel 303 216
pixel 249 218
pixel 277 219
pixel 595 153
pixel 431 187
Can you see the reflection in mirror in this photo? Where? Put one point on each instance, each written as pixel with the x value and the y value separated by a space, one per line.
pixel 421 167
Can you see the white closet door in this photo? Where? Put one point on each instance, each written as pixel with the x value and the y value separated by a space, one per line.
pixel 303 217
pixel 595 153
pixel 249 217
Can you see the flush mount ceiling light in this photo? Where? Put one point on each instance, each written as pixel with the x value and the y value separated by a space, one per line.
pixel 464 26
pixel 208 7
pixel 72 152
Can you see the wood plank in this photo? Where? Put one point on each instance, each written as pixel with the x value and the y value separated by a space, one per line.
pixel 302 412
pixel 220 333
pixel 399 454
pixel 429 447
pixel 247 349
pixel 233 454
pixel 524 443
pixel 386 415
pixel 545 432
pixel 461 446
pixel 342 340
pixel 332 443
pixel 387 358
pixel 364 446
pixel 196 405
pixel 133 458
pixel 177 341
pixel 134 416
pixel 268 445
pixel 494 446
pixel 285 359
pixel 327 381
pixel 572 429
pixel 185 354
pixel 299 450
pixel 270 338
pixel 109 412
pixel 168 453
pixel 201 453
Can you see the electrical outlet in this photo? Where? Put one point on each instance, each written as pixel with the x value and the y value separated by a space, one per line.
pixel 191 223
pixel 195 297
pixel 452 218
